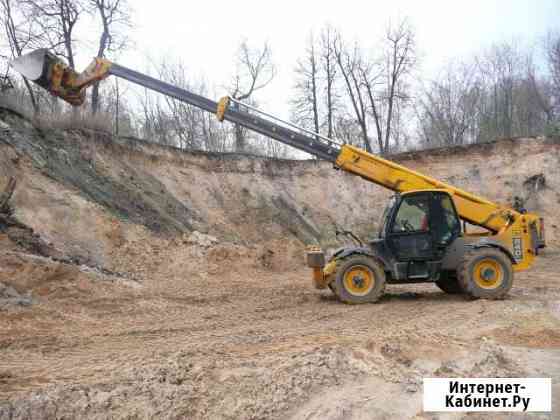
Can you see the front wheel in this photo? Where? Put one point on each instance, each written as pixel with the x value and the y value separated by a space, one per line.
pixel 485 273
pixel 359 279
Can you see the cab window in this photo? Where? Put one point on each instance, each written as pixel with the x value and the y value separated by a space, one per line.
pixel 412 215
pixel 385 216
pixel 447 224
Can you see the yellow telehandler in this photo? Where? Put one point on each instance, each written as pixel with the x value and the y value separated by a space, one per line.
pixel 421 238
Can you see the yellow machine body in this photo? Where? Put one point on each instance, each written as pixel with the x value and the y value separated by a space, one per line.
pixel 503 224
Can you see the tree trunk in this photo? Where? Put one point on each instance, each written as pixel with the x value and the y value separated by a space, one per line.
pixel 95 98
pixel 314 92
pixel 239 138
pixel 101 54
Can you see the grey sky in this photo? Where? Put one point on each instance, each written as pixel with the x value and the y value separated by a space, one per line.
pixel 205 34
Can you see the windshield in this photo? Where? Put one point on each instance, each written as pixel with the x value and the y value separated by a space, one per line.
pixel 412 215
pixel 383 221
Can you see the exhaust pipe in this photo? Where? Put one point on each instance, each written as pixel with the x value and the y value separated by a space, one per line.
pixel 51 73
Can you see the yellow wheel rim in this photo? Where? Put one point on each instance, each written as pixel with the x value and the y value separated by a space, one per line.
pixel 488 274
pixel 359 280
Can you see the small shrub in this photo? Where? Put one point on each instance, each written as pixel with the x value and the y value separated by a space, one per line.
pixel 75 120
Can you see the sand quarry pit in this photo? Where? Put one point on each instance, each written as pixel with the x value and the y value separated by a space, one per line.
pixel 153 283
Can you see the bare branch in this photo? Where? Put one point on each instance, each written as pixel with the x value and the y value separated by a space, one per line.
pixel 255 70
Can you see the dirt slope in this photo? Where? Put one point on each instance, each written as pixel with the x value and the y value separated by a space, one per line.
pixel 84 191
pixel 123 312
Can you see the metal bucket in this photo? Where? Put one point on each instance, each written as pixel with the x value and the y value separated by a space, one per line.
pixel 37 66
pixel 51 73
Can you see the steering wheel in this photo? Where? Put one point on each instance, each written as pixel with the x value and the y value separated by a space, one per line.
pixel 407 226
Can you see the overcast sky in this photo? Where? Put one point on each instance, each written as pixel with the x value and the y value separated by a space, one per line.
pixel 205 34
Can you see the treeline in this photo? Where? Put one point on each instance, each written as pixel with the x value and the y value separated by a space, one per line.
pixel 505 91
pixel 371 96
pixel 375 98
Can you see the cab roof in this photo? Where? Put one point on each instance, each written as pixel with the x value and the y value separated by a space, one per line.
pixel 440 190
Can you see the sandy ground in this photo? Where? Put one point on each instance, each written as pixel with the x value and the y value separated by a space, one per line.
pixel 228 340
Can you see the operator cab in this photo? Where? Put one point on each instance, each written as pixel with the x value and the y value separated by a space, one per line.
pixel 416 230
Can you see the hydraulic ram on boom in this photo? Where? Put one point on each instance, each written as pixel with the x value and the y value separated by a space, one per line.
pixel 420 237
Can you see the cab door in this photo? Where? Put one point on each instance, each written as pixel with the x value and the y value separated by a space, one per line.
pixel 409 235
pixel 445 223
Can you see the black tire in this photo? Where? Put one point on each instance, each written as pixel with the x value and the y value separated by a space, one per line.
pixel 485 273
pixel 359 279
pixel 449 285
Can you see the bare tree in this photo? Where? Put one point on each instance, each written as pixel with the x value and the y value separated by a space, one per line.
pixel 400 60
pixel 185 119
pixel 371 77
pixel 327 59
pixel 20 35
pixel 255 70
pixel 448 107
pixel 385 81
pixel 518 99
pixel 166 120
pixel 172 122
pixel 305 106
pixel 349 61
pixel 57 20
pixel 378 86
pixel 503 95
pixel 346 129
pixel 552 48
pixel 114 16
pixel 553 56
pixel 501 66
pixel 316 100
pixel 535 99
pixel 155 120
pixel 116 110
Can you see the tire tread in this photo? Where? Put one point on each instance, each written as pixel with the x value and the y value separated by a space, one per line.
pixel 464 273
pixel 374 263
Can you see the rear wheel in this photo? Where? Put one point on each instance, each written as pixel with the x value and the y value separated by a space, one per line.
pixel 449 284
pixel 359 279
pixel 485 273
